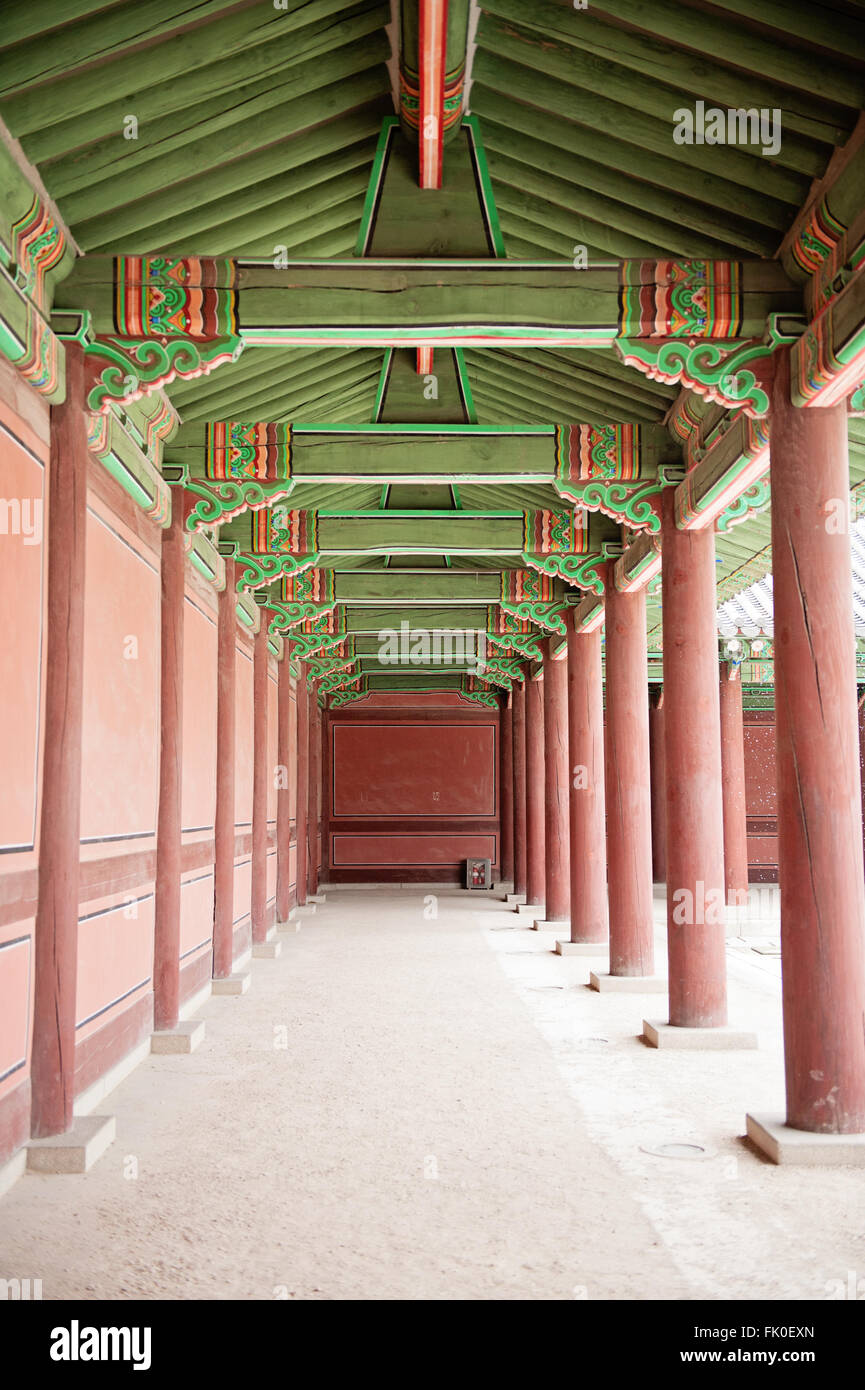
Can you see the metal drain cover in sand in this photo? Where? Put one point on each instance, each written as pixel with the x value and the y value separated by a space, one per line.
pixel 590 1042
pixel 676 1148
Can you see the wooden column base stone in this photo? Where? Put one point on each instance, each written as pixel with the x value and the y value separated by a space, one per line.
pixel 77 1150
pixel 266 950
pixel 719 1038
pixel 182 1039
pixel 628 984
pixel 789 1146
pixel 232 984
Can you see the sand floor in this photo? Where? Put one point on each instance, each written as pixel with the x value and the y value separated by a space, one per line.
pixel 419 1107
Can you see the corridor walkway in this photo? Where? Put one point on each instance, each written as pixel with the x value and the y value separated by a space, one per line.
pixel 435 1107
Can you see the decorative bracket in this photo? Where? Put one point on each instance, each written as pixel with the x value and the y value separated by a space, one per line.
pixel 138 366
pixel 255 570
pixel 220 501
pixel 733 374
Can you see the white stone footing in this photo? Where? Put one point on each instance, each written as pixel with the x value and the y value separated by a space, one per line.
pixel 232 984
pixel 529 909
pixel 77 1150
pixel 627 984
pixel 790 1146
pixel 669 1035
pixel 266 950
pixel 582 948
pixel 540 924
pixel 184 1038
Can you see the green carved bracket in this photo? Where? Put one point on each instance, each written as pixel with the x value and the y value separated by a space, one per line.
pixel 580 570
pixel 489 671
pixel 754 499
pixel 305 644
pixel 731 374
pixel 288 615
pixel 347 697
pixel 220 501
pixel 481 697
pixel 325 668
pixel 637 505
pixel 257 570
pixel 136 367
pixel 508 666
pixel 545 615
pixel 523 642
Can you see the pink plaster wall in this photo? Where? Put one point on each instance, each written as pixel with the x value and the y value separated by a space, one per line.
pixel 120 753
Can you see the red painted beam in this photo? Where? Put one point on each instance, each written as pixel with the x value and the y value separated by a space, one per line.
pixel 535 793
pixel 557 897
pixel 166 939
pixel 302 774
pixel 224 827
pixel 283 803
pixel 519 735
pixel 819 826
pixel 695 818
pixel 627 784
pixel 260 679
pixel 56 936
pixel 432 44
pixel 507 793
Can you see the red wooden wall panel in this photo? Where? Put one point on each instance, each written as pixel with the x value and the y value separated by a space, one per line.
pixel 761 796
pixel 410 791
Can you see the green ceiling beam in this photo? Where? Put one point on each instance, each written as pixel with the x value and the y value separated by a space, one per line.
pixel 186 68
pixel 541 194
pixel 289 172
pixel 616 134
pixel 743 48
pixel 463 532
pixel 698 224
pixel 662 62
pixel 383 303
pixel 402 587
pixel 372 620
pixel 582 85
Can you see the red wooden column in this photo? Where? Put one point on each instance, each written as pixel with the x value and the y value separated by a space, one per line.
pixel 166 936
pixel 314 722
pixel 557 895
pixel 260 679
pixel 302 785
pixel 224 828
pixel 56 934
pixel 506 795
pixel 535 790
pixel 733 785
pixel 819 824
pixel 587 811
pixel 432 42
pixel 628 783
pixel 519 734
pixel 283 797
pixel 695 825
pixel 658 764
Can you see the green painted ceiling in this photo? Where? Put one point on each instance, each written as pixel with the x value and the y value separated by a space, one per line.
pixel 218 128
pixel 576 108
